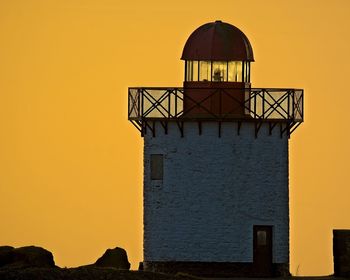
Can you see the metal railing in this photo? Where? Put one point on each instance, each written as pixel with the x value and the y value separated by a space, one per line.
pixel 261 104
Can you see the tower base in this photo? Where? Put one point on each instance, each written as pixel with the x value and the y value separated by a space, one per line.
pixel 216 269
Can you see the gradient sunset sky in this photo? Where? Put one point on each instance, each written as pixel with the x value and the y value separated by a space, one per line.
pixel 71 163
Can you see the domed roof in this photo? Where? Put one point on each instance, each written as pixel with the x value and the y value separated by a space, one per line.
pixel 218 41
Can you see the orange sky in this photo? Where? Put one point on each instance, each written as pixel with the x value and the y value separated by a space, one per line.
pixel 71 164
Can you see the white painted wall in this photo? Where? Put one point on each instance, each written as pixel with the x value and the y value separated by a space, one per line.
pixel 214 190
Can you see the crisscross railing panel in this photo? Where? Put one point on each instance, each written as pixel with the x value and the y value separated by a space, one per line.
pixel 257 103
pixel 271 104
pixel 298 101
pixel 133 102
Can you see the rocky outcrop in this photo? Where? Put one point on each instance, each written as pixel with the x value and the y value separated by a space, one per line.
pixel 5 255
pixel 29 256
pixel 116 258
pixel 86 273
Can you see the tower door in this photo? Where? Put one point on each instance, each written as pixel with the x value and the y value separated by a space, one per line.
pixel 262 250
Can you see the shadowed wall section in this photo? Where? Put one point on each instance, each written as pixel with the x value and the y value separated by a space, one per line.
pixel 214 190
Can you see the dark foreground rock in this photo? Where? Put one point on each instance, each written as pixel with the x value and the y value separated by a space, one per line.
pixel 116 258
pixel 29 256
pixel 83 273
pixel 5 255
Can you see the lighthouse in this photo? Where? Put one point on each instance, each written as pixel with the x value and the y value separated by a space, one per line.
pixel 215 182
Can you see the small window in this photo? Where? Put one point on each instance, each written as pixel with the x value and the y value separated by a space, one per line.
pixel 261 236
pixel 156 167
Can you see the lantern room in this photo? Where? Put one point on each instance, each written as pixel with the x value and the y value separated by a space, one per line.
pixel 217 52
pixel 217 55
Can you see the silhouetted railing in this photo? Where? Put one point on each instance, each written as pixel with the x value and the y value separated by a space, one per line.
pixel 261 104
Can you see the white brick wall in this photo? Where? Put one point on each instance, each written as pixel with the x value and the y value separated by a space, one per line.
pixel 214 190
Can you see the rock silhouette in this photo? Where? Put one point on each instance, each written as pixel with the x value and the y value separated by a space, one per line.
pixel 116 258
pixel 29 256
pixel 36 263
pixel 5 255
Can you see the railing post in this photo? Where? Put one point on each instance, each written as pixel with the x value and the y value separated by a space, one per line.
pixel 255 106
pixel 129 103
pixel 288 104
pixel 302 104
pixel 138 104
pixel 176 103
pixel 142 105
pixel 263 104
pixel 169 108
pixel 293 104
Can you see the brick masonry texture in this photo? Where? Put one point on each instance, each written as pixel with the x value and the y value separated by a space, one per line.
pixel 213 191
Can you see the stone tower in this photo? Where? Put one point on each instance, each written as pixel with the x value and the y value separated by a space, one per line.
pixel 216 194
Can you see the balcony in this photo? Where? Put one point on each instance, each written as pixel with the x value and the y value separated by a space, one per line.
pixel 259 105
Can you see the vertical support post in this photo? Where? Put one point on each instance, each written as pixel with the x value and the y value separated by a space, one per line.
pixel 288 129
pixel 200 128
pixel 165 126
pixel 176 103
pixel 144 123
pixel 249 72
pixel 263 104
pixel 302 104
pixel 154 129
pixel 254 105
pixel 142 129
pixel 226 71
pixel 270 128
pixel 142 105
pixel 138 104
pixel 198 71
pixel 243 74
pixel 288 104
pixel 257 128
pixel 181 128
pixel 169 103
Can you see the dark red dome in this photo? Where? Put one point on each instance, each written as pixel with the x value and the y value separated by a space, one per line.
pixel 218 41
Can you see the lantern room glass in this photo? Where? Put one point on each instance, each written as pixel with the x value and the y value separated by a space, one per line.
pixel 235 71
pixel 192 70
pixel 217 71
pixel 204 71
